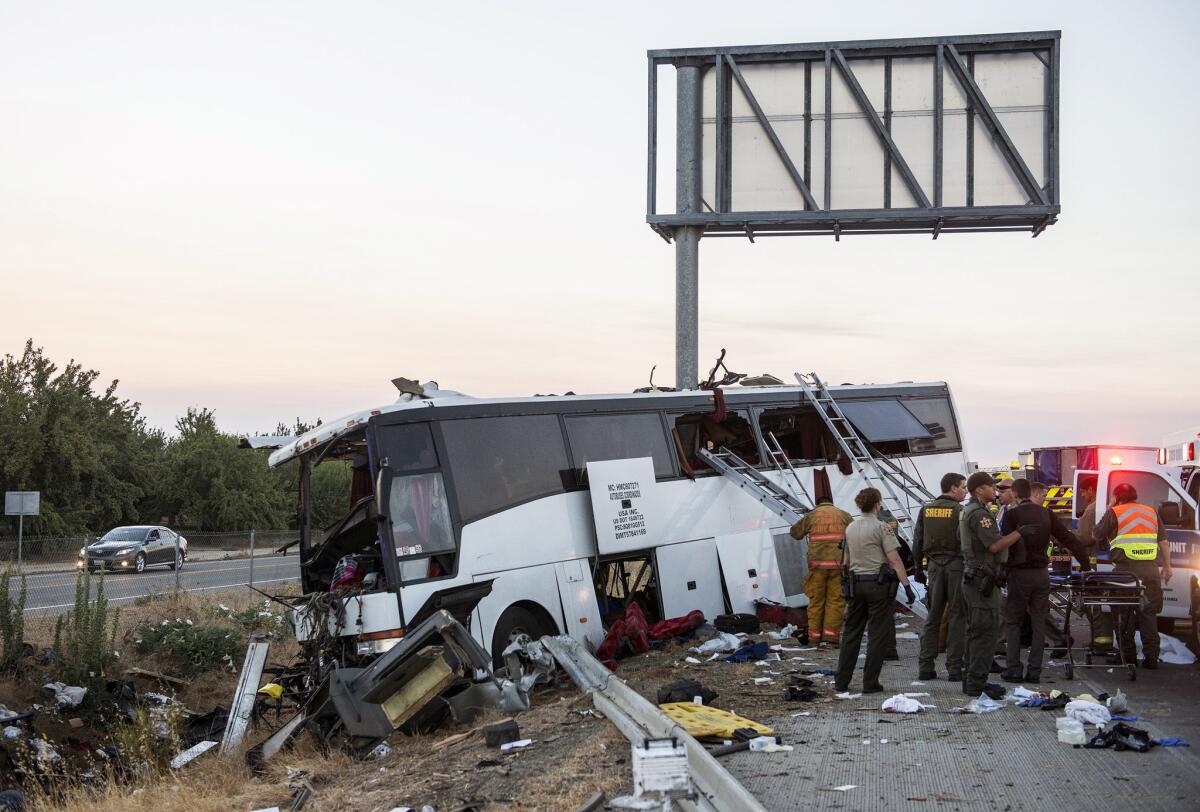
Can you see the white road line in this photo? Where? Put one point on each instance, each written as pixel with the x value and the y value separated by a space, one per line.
pixel 135 597
pixel 194 564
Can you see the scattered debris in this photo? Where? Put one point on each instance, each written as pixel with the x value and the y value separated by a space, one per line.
pixel 1171 741
pixel 67 696
pixel 685 690
pixel 1172 650
pixel 192 753
pixel 1087 712
pixel 721 643
pixel 800 694
pixel 768 744
pixel 1070 731
pixel 982 704
pixel 1122 737
pixel 1118 703
pixel 501 732
pixel 742 622
pixel 660 765
pixel 450 741
pixel 749 651
pixel 516 745
pixel 907 636
pixel 677 626
pixel 903 704
pixel 701 720
pixel 381 750
pixel 847 695
pixel 242 707
pixel 164 678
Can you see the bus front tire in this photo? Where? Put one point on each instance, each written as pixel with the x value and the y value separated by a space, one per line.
pixel 518 620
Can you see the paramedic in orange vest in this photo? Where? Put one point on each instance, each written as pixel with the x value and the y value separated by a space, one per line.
pixel 825 526
pixel 1137 546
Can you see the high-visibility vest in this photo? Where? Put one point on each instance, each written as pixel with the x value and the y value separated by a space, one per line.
pixel 1137 532
pixel 825 537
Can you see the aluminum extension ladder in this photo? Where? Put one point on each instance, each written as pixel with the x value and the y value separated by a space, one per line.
pixel 877 471
pixel 783 464
pixel 775 498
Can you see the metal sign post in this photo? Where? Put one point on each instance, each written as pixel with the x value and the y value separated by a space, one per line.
pixel 21 504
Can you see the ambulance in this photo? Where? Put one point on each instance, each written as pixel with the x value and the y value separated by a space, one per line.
pixel 1166 478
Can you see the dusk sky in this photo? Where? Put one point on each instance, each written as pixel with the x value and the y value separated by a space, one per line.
pixel 273 208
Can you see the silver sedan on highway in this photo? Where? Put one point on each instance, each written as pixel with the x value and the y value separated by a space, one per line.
pixel 133 549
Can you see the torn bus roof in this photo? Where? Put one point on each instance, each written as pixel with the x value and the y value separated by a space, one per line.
pixel 445 397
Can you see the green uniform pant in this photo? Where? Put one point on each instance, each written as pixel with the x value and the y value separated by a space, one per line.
pixel 1145 619
pixel 944 581
pixel 983 633
pixel 869 609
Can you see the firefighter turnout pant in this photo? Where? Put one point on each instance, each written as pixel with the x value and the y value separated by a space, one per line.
pixel 944 582
pixel 825 604
pixel 1144 620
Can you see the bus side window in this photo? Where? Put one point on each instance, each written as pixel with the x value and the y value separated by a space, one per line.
pixel 594 438
pixel 801 433
pixel 697 431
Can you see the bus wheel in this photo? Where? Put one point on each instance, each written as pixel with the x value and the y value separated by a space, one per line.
pixel 519 620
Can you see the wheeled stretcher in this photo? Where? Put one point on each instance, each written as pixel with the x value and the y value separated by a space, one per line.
pixel 1086 593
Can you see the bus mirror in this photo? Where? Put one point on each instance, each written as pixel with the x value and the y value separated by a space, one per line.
pixel 383 490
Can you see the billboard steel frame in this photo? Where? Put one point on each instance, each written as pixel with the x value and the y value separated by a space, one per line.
pixel 929 216
pixel 695 217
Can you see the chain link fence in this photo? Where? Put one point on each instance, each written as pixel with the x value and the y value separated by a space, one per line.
pixel 213 562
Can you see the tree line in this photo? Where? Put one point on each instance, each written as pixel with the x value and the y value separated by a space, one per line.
pixel 98 464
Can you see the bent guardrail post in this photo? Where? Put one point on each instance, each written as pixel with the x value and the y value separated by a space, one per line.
pixel 638 719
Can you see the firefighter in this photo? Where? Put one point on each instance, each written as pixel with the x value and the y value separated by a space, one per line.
pixel 825 525
pixel 1136 544
pixel 936 538
pixel 984 551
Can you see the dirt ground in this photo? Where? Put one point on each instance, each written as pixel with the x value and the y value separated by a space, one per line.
pixel 574 752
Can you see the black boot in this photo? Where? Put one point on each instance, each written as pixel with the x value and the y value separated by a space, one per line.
pixel 1150 663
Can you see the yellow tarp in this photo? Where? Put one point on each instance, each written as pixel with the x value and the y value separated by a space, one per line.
pixel 701 720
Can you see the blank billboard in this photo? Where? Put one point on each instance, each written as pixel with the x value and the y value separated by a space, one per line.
pixel 884 136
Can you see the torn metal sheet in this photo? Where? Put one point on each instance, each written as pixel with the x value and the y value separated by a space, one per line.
pixel 242 706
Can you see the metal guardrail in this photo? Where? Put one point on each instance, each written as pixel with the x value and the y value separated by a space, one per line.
pixel 638 719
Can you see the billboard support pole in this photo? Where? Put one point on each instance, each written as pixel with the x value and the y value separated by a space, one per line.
pixel 687 238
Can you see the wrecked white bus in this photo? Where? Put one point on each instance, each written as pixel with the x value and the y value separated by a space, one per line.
pixel 451 493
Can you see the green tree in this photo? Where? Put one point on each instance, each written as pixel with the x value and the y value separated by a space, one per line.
pixel 211 484
pixel 89 452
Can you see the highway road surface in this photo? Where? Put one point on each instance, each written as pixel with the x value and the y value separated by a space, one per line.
pixel 55 591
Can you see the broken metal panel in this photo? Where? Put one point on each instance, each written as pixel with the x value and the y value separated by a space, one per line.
pixel 242 707
pixel 689 577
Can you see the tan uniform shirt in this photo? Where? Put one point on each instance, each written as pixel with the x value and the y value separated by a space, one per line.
pixel 868 541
